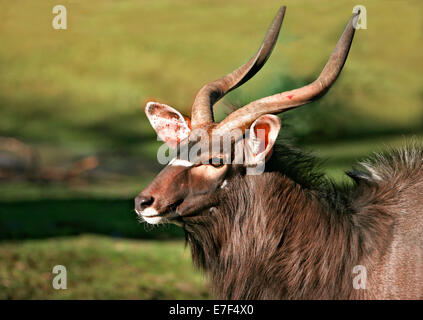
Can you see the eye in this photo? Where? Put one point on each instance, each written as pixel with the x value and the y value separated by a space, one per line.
pixel 216 162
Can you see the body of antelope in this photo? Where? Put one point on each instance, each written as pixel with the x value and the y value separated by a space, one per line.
pixel 264 223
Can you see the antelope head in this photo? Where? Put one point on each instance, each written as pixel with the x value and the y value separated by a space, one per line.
pixel 202 165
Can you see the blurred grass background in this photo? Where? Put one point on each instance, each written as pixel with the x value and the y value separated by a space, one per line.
pixel 81 91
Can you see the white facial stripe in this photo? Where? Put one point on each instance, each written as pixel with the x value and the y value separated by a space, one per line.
pixel 180 162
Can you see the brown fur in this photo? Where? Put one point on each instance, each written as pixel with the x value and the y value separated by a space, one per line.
pixel 290 234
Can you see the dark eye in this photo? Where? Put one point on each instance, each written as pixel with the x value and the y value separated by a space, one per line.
pixel 216 162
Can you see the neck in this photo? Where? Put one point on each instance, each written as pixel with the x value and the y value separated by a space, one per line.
pixel 271 238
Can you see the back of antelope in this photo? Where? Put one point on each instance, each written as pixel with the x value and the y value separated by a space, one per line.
pixel 264 223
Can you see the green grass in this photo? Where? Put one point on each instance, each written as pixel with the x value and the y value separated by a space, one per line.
pixel 80 92
pixel 99 268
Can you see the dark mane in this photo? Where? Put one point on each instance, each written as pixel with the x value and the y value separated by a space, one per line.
pixel 300 166
pixel 305 169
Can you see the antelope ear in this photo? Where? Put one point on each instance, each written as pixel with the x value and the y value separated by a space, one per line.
pixel 261 138
pixel 170 125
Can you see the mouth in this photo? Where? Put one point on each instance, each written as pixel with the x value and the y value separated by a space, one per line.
pixel 157 217
pixel 152 216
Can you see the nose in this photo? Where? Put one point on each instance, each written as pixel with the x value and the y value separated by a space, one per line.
pixel 142 202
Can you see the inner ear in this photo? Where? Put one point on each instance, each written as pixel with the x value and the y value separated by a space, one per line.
pixel 262 136
pixel 262 128
pixel 170 125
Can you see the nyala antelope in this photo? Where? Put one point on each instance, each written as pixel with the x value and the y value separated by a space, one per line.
pixel 289 232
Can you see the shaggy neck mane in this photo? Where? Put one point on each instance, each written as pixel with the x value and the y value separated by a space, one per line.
pixel 286 234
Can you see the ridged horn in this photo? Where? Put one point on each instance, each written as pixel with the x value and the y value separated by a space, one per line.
pixel 242 118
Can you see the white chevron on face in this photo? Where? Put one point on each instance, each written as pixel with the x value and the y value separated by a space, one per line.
pixel 180 162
